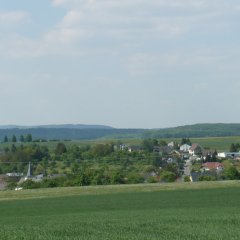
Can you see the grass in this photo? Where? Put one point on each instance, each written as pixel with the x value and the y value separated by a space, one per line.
pixel 152 211
pixel 218 143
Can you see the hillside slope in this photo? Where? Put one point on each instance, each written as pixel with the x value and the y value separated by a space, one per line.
pixel 91 132
pixel 196 130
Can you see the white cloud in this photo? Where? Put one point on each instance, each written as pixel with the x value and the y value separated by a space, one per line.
pixel 104 25
pixel 142 64
pixel 12 17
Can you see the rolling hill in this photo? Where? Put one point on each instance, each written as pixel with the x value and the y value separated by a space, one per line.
pixel 91 132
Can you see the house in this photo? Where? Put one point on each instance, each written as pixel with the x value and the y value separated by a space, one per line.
pixel 123 147
pixel 212 166
pixel 14 174
pixel 166 149
pixel 156 149
pixel 57 175
pixel 171 160
pixel 196 150
pixel 134 148
pixel 185 148
pixel 172 144
pixel 163 150
pixel 228 155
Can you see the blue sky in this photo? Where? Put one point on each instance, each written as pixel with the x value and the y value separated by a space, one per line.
pixel 128 63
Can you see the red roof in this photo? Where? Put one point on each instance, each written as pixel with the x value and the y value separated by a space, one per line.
pixel 195 146
pixel 212 165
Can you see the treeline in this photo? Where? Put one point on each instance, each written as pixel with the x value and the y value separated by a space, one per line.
pixel 72 134
pixel 235 147
pixel 189 131
pixel 195 131
pixel 22 138
pixel 102 176
pixel 99 164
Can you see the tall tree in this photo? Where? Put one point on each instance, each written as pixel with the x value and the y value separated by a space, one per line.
pixel 233 148
pixel 21 138
pixel 5 139
pixel 14 138
pixel 28 138
pixel 60 149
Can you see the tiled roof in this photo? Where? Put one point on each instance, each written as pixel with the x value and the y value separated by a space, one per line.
pixel 212 165
pixel 194 146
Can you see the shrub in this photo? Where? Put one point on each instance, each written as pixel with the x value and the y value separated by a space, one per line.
pixel 187 179
pixel 29 184
pixel 167 176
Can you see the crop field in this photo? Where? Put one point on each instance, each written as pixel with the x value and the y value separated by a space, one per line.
pixel 218 143
pixel 152 211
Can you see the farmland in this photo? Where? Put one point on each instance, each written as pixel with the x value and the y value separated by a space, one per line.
pixel 146 211
pixel 218 143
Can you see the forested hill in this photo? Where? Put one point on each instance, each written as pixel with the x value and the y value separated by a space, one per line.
pixel 71 133
pixel 76 132
pixel 196 130
pixel 67 126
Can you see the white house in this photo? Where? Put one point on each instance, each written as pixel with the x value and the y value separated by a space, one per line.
pixel 196 150
pixel 14 174
pixel 172 144
pixel 185 148
pixel 228 154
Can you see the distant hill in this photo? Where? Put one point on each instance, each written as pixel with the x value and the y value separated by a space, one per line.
pixel 91 132
pixel 59 126
pixel 196 130
pixel 72 133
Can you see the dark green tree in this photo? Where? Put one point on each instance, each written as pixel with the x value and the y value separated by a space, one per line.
pixel 231 173
pixel 167 176
pixel 21 139
pixel 5 139
pixel 13 148
pixel 14 138
pixel 186 141
pixel 149 144
pixel 60 149
pixel 233 148
pixel 28 138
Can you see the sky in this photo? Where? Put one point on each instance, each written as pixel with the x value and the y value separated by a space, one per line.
pixel 123 63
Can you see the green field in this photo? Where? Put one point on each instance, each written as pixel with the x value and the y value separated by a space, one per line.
pixel 151 211
pixel 218 143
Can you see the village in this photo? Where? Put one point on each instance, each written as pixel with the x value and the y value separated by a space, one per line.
pixel 199 164
pixel 190 162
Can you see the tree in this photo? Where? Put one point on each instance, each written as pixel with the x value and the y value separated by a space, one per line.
pixel 5 139
pixel 214 156
pixel 60 149
pixel 156 160
pixel 28 138
pixel 231 173
pixel 186 141
pixel 14 138
pixel 167 176
pixel 148 144
pixel 101 150
pixel 233 148
pixel 237 146
pixel 207 178
pixel 21 139
pixel 187 179
pixel 13 148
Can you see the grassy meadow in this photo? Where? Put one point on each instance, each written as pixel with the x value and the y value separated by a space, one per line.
pixel 218 143
pixel 148 211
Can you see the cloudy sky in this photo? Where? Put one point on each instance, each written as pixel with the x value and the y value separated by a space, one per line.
pixel 124 63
